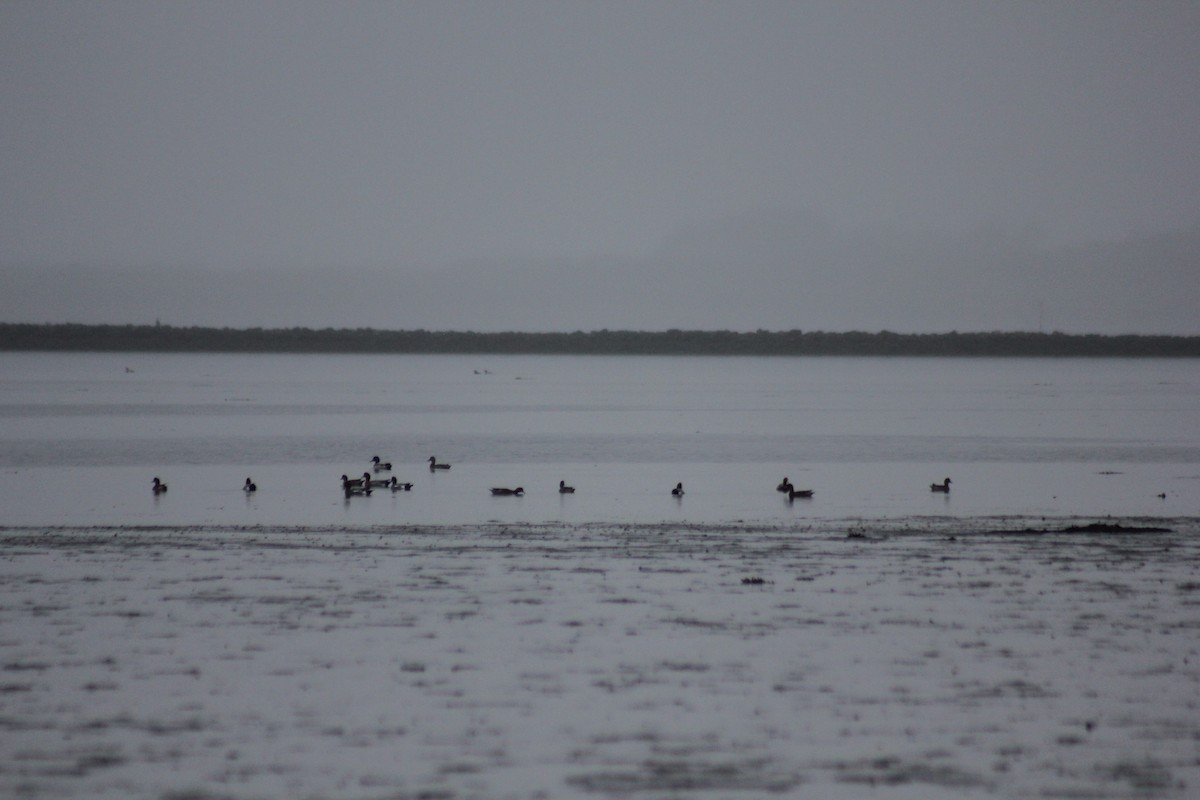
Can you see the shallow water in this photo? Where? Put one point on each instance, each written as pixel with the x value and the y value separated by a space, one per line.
pixel 81 435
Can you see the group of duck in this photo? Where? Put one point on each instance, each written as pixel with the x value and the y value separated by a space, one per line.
pixel 359 487
pixel 158 487
pixel 793 493
pixel 363 486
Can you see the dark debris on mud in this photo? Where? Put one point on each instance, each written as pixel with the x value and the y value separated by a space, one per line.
pixel 680 776
pixel 893 771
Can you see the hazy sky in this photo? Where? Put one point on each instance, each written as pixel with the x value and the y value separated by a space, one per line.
pixel 911 165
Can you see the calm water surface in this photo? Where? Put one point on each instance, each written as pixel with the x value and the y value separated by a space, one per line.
pixel 81 436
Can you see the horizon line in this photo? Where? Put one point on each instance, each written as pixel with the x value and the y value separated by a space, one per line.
pixel 640 331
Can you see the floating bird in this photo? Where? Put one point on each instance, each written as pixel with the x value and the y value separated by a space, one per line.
pixel 249 486
pixel 159 486
pixel 564 489
pixel 381 466
pixel 500 490
pixel 433 464
pixel 678 490
pixel 374 483
pixel 940 487
pixel 397 486
pixel 784 486
pixel 354 488
pixel 803 494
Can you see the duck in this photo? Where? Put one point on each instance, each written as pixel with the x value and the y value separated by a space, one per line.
pixel 159 486
pixel 249 486
pixel 940 487
pixel 373 483
pixel 500 490
pixel 564 489
pixel 397 486
pixel 678 490
pixel 784 486
pixel 354 487
pixel 793 493
pixel 433 464
pixel 381 466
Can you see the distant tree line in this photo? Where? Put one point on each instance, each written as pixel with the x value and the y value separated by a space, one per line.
pixel 166 338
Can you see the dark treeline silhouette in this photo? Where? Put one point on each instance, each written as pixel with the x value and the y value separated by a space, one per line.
pixel 166 338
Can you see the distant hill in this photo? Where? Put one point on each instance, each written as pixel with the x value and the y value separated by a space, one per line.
pixel 166 338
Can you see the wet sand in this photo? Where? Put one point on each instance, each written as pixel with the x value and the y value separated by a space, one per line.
pixel 939 659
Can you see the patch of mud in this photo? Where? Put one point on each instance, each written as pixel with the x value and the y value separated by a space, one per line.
pixel 688 776
pixel 895 771
pixel 496 661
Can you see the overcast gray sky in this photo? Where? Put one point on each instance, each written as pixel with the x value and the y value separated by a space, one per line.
pixel 911 165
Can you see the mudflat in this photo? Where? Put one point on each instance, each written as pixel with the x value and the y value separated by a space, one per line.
pixel 649 661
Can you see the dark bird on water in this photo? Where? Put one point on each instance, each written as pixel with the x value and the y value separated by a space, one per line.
pixel 159 486
pixel 374 483
pixel 940 487
pixel 564 489
pixel 500 490
pixel 354 488
pixel 678 490
pixel 381 466
pixel 249 486
pixel 433 464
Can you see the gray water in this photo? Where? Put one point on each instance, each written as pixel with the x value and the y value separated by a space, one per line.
pixel 83 434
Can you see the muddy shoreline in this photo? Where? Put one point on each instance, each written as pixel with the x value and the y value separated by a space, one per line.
pixel 912 658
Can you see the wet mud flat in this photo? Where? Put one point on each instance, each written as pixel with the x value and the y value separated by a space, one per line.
pixel 539 661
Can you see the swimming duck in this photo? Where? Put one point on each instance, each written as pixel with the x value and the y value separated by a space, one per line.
pixel 678 490
pixel 373 483
pixel 499 490
pixel 249 486
pixel 354 487
pixel 159 486
pixel 433 464
pixel 784 486
pixel 381 466
pixel 940 487
pixel 793 493
pixel 564 489
pixel 397 486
